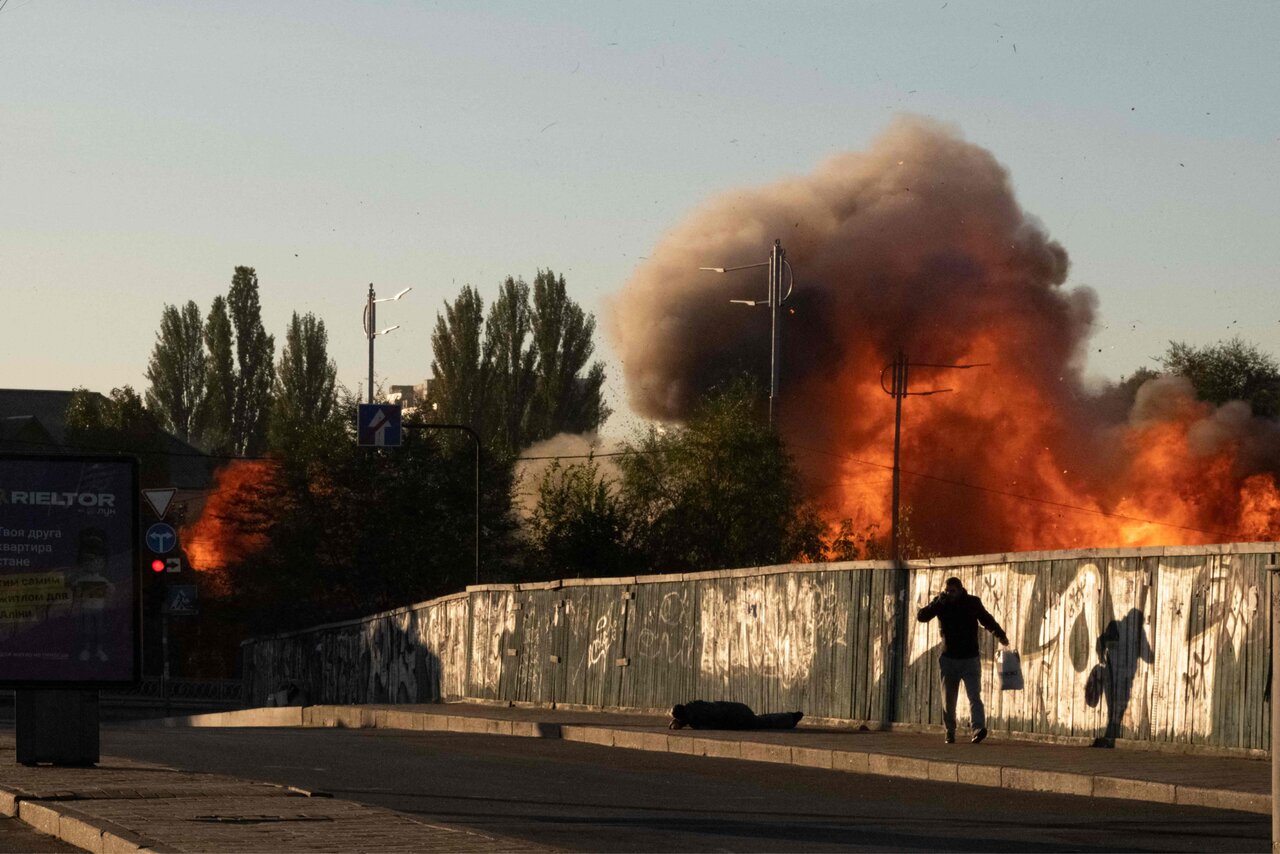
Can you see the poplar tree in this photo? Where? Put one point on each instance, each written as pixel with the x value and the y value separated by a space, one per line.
pixel 177 372
pixel 303 400
pixel 562 401
pixel 506 331
pixel 517 378
pixel 255 371
pixel 220 379
pixel 460 381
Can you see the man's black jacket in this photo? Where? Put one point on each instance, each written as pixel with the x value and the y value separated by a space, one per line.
pixel 959 620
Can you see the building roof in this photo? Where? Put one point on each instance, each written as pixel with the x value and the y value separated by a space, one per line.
pixel 47 406
pixel 34 421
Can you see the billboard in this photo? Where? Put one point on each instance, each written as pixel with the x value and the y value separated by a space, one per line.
pixel 69 571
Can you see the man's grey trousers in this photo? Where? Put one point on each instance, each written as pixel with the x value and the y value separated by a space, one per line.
pixel 969 671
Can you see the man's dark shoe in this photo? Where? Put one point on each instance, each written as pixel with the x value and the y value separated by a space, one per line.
pixel 979 735
pixel 951 738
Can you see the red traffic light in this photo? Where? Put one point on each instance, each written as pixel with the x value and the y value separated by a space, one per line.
pixel 157 565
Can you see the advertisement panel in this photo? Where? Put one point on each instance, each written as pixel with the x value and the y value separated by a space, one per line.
pixel 69 576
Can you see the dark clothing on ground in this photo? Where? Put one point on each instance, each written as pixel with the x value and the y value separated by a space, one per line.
pixel 722 714
pixel 959 619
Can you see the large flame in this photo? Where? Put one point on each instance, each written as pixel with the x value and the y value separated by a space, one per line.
pixel 919 244
pixel 220 536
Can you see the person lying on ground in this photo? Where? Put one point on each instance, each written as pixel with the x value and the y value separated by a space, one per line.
pixel 722 714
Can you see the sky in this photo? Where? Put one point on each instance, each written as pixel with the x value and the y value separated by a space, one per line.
pixel 150 148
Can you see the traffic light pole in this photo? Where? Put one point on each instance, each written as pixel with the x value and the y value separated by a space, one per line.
pixel 164 673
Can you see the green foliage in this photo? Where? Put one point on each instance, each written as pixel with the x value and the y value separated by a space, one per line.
pixel 563 401
pixel 720 492
pixel 304 403
pixel 517 378
pixel 578 529
pixel 1228 370
pixel 220 391
pixel 460 388
pixel 255 372
pixel 512 363
pixel 177 372
pixel 846 542
pixel 351 530
pixel 118 423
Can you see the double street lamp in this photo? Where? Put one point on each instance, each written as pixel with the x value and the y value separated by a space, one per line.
pixel 776 263
pixel 371 329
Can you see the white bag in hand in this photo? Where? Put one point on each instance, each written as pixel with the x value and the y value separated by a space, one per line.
pixel 1009 670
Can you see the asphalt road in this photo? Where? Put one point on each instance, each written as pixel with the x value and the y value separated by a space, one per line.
pixel 589 798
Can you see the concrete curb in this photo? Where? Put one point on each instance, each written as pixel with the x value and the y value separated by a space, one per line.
pixel 74 827
pixel 852 761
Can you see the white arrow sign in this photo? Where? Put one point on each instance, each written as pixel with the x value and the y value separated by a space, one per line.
pixel 159 499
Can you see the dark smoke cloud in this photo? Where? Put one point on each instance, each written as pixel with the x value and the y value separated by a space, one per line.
pixel 917 243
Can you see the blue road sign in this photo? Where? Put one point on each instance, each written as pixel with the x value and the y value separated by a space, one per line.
pixel 378 425
pixel 161 538
pixel 181 599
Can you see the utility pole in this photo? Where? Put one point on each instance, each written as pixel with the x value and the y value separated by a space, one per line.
pixel 777 263
pixel 371 330
pixel 371 323
pixel 899 390
pixel 777 258
pixel 1273 577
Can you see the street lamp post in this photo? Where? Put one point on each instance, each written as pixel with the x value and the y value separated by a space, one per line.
pixel 898 391
pixel 777 261
pixel 371 330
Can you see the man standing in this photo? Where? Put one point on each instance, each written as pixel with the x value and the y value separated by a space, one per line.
pixel 958 614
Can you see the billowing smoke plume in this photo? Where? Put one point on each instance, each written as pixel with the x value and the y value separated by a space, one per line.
pixel 567 449
pixel 919 244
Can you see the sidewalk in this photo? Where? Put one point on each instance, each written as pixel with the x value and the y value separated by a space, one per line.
pixel 124 805
pixel 1163 777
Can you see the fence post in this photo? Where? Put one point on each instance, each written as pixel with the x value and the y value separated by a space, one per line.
pixel 1275 707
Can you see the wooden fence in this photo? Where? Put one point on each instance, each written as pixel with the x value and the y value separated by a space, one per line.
pixel 1161 645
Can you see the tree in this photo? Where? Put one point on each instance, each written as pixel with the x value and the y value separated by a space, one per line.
pixel 520 381
pixel 177 372
pixel 220 390
pixel 1228 370
pixel 512 362
pixel 719 492
pixel 303 403
pixel 118 423
pixel 578 527
pixel 460 385
pixel 255 352
pixel 350 530
pixel 562 401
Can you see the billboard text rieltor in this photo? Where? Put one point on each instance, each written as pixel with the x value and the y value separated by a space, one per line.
pixel 69 579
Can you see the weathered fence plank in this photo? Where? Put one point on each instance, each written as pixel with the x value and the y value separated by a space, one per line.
pixel 1162 645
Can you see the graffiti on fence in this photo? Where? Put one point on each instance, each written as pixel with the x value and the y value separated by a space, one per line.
pixel 1134 645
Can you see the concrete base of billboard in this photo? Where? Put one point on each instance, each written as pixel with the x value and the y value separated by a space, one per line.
pixel 56 726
